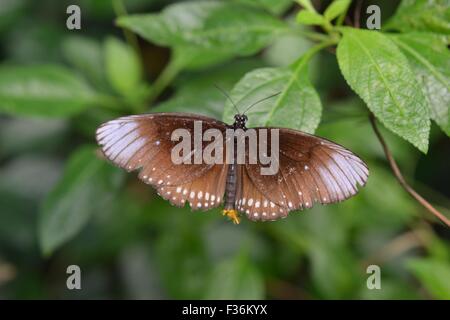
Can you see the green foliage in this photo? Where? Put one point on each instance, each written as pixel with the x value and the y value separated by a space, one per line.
pixel 204 27
pixel 48 90
pixel 432 274
pixel 296 96
pixel 421 15
pixel 336 8
pixel 198 92
pixel 380 74
pixel 122 66
pixel 235 279
pixel 429 58
pixel 91 182
pixel 275 7
pixel 86 55
pixel 189 247
pixel 310 18
pixel 307 5
pixel 57 194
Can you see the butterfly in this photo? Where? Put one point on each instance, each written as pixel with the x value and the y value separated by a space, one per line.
pixel 310 169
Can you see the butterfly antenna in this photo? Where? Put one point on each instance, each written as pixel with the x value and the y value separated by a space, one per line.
pixel 263 99
pixel 228 96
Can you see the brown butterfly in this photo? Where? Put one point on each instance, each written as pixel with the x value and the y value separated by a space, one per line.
pixel 311 169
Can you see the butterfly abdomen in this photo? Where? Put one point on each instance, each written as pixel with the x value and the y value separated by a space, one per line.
pixel 230 188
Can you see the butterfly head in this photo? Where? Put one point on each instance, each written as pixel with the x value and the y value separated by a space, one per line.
pixel 239 121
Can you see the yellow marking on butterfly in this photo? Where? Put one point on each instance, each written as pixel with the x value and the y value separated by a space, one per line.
pixel 232 214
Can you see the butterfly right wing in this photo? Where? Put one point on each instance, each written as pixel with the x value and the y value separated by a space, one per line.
pixel 310 169
pixel 252 202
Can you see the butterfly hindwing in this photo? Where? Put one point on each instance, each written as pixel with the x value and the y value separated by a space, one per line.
pixel 252 202
pixel 204 193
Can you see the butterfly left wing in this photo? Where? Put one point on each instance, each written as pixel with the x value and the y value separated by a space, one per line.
pixel 310 169
pixel 143 142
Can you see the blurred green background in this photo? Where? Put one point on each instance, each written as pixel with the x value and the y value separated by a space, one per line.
pixel 61 204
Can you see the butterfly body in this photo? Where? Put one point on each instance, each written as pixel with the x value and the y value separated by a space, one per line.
pixel 310 169
pixel 230 189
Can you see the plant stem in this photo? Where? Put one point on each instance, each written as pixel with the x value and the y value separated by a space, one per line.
pixel 316 36
pixel 298 65
pixel 313 50
pixel 131 38
pixel 340 19
pixel 328 27
pixel 164 79
pixel 357 15
pixel 398 175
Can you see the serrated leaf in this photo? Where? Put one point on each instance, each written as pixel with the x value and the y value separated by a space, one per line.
pixel 421 15
pixel 433 275
pixel 380 74
pixel 226 27
pixel 123 67
pixel 87 186
pixel 429 57
pixel 310 18
pixel 297 106
pixel 86 55
pixel 44 90
pixel 336 8
pixel 235 279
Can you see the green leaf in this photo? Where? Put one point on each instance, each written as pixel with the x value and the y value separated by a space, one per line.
pixel 307 5
pixel 123 67
pixel 421 15
pixel 235 279
pixel 44 90
pixel 275 7
pixel 193 58
pixel 87 186
pixel 25 135
pixel 297 106
pixel 208 102
pixel 228 28
pixel 429 58
pixel 433 275
pixel 336 8
pixel 86 55
pixel 380 74
pixel 15 175
pixel 310 18
pixel 286 50
pixel 196 93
